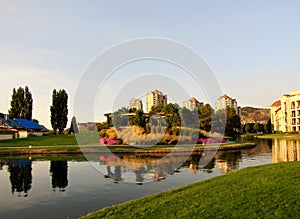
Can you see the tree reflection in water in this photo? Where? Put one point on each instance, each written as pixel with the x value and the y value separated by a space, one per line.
pixel 149 168
pixel 59 173
pixel 2 163
pixel 20 176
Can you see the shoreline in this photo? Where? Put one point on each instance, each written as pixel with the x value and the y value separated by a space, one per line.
pixel 296 137
pixel 73 149
pixel 258 194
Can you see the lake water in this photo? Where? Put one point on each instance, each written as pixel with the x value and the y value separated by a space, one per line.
pixel 61 187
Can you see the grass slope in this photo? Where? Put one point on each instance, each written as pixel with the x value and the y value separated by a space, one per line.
pixel 255 192
pixel 51 140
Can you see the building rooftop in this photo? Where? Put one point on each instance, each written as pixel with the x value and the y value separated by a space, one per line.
pixel 193 99
pixel 295 92
pixel 276 103
pixel 28 124
pixel 225 96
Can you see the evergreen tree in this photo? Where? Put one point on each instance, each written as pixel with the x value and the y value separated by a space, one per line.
pixel 139 119
pixel 233 123
pixel 59 110
pixel 21 104
pixel 13 112
pixel 248 128
pixel 205 117
pixel 27 113
pixel 73 128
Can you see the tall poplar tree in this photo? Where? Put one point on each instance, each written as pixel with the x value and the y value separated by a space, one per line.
pixel 27 112
pixel 59 110
pixel 21 104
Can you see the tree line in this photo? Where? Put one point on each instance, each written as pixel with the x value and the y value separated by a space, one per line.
pixel 21 106
pixel 175 116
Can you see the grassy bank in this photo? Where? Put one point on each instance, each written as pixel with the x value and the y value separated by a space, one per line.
pixel 256 192
pixel 281 135
pixel 64 144
pixel 51 140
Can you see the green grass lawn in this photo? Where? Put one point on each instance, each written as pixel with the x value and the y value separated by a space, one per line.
pixel 270 191
pixel 51 140
pixel 281 135
pixel 69 143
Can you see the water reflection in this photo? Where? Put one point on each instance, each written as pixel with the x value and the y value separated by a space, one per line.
pixel 144 168
pixel 141 168
pixel 285 150
pixel 20 176
pixel 2 163
pixel 228 161
pixel 59 173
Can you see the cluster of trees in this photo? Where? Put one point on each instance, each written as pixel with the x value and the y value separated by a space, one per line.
pixel 22 105
pixel 175 116
pixel 258 127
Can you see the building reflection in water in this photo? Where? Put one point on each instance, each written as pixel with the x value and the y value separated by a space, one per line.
pixel 285 150
pixel 228 161
pixel 59 173
pixel 20 176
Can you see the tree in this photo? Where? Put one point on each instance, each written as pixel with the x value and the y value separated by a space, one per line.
pixel 233 122
pixel 189 118
pixel 219 121
pixel 139 119
pixel 59 110
pixel 268 127
pixel 120 117
pixel 27 104
pixel 73 128
pixel 248 128
pixel 205 117
pixel 258 127
pixel 21 104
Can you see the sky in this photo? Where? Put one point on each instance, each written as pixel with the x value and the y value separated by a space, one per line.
pixel 252 48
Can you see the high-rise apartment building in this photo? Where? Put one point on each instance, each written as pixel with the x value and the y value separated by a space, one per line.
pixel 285 113
pixel 225 101
pixel 136 104
pixel 155 98
pixel 191 104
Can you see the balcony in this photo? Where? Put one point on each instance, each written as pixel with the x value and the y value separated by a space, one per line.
pixel 293 105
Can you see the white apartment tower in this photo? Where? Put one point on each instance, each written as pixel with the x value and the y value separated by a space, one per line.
pixel 191 104
pixel 285 113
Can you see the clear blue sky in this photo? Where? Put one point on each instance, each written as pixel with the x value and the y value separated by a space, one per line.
pixel 252 46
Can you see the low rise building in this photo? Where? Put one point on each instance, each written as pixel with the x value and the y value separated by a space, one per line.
pixel 22 127
pixel 285 113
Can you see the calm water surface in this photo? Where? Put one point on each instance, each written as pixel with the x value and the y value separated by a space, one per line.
pixel 60 188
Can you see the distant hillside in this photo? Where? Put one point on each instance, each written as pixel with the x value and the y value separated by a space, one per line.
pixel 252 115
